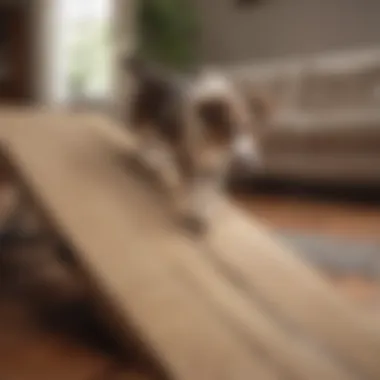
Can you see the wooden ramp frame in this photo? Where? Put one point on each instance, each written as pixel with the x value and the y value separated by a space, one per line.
pixel 235 305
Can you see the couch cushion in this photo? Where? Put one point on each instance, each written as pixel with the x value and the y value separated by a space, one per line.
pixel 323 167
pixel 339 133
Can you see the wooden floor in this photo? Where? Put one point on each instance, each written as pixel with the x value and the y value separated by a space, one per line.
pixel 28 352
pixel 343 220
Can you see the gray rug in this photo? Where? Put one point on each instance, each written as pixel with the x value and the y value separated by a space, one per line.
pixel 336 255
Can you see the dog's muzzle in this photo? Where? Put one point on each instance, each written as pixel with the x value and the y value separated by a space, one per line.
pixel 247 152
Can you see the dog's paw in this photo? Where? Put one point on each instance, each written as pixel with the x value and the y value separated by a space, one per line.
pixel 191 215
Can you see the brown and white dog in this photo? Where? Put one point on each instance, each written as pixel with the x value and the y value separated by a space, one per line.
pixel 196 126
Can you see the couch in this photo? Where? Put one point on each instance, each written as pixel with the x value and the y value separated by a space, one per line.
pixel 326 124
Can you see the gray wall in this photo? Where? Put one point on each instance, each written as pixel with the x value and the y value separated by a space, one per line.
pixel 285 28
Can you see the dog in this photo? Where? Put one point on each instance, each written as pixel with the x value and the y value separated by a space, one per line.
pixel 190 129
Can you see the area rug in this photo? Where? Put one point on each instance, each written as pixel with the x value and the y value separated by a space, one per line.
pixel 339 256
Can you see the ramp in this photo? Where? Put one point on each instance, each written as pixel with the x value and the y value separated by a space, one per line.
pixel 235 305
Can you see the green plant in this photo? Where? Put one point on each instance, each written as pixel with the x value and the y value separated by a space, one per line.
pixel 168 32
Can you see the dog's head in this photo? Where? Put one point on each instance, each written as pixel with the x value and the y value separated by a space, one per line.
pixel 230 122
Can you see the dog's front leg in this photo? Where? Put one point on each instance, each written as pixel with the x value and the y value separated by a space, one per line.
pixel 192 205
pixel 193 194
pixel 185 191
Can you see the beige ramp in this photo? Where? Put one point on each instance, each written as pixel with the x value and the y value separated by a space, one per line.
pixel 235 306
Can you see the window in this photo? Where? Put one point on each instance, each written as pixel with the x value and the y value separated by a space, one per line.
pixel 84 49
